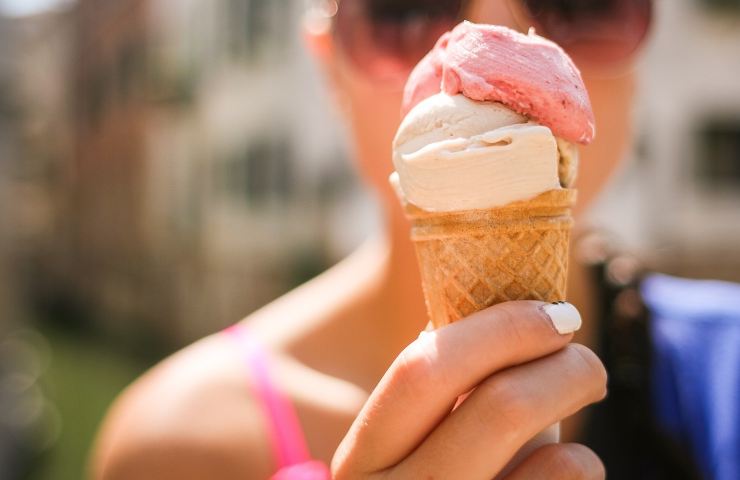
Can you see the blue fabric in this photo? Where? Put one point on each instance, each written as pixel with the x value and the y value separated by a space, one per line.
pixel 696 378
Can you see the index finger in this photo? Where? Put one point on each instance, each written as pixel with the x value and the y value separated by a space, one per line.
pixel 421 385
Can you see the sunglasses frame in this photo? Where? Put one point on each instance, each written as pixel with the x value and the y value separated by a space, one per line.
pixel 324 14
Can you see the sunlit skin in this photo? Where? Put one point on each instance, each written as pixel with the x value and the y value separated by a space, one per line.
pixel 193 416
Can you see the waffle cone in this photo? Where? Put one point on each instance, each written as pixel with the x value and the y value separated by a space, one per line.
pixel 472 259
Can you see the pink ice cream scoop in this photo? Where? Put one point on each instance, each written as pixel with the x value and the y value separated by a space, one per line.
pixel 528 73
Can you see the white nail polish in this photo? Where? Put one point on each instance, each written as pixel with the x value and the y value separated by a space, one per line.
pixel 564 316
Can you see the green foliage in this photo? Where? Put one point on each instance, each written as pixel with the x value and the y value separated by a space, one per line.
pixel 81 381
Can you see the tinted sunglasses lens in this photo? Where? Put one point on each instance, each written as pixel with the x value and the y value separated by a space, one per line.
pixel 603 31
pixel 386 38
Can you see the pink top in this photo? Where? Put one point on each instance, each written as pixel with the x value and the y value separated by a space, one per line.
pixel 286 435
pixel 528 73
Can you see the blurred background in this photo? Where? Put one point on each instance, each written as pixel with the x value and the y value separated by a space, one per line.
pixel 168 166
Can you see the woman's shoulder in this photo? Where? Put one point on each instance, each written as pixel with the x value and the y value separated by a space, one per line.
pixel 191 416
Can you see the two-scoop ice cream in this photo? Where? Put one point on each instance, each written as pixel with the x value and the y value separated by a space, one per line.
pixel 491 118
pixel 485 158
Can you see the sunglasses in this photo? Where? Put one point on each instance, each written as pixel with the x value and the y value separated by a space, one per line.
pixel 385 39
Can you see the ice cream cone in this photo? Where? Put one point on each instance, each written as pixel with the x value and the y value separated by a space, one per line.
pixel 473 259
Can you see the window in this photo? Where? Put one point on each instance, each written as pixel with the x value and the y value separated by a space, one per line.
pixel 718 159
pixel 260 171
pixel 8 103
pixel 95 94
pixel 130 68
pixel 257 28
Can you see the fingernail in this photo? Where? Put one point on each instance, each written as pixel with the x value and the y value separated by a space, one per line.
pixel 564 316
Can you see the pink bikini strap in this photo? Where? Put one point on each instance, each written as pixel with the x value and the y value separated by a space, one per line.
pixel 286 435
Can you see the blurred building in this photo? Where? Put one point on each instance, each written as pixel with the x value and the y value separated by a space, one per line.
pixel 204 174
pixel 9 149
pixel 34 147
pixel 44 131
pixel 679 200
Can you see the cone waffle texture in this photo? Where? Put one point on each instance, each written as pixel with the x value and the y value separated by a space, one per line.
pixel 473 259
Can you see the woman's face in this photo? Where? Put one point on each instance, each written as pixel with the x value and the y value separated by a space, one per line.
pixel 372 108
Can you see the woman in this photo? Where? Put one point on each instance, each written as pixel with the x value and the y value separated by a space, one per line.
pixel 205 413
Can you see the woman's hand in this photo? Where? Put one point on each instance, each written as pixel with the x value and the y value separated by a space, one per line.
pixel 526 377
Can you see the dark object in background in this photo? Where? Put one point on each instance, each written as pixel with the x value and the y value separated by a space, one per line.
pixel 622 429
